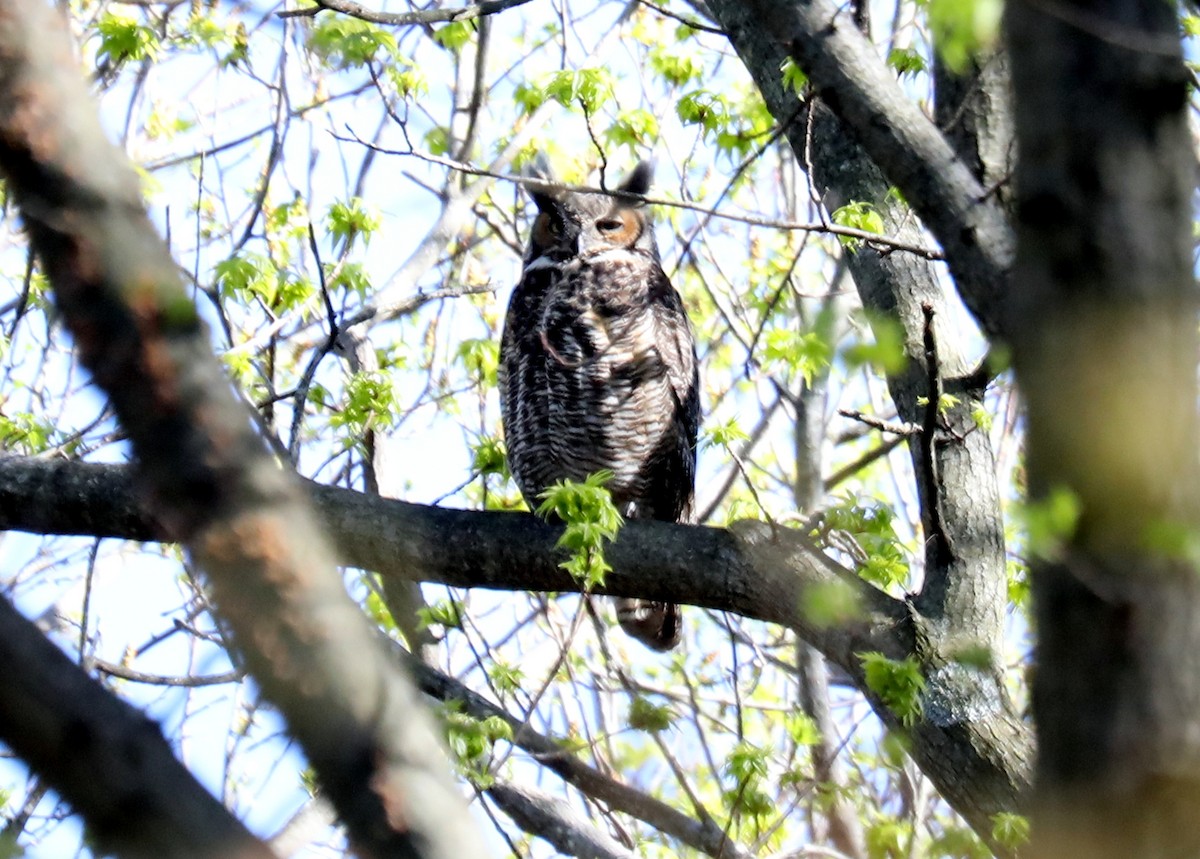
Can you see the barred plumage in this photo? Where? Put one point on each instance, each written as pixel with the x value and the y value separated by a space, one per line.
pixel 598 370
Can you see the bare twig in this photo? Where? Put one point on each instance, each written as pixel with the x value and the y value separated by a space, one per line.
pixel 875 239
pixel 901 429
pixel 401 19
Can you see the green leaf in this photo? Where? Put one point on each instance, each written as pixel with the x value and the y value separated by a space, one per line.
pixel 591 519
pixel 347 43
pixel 831 603
pixel 636 129
pixel 648 717
pixel 676 68
pixel 1018 583
pixel 26 434
pixel 801 728
pixel 1011 830
pixel 807 353
pixel 571 87
pixel 945 402
pixel 488 457
pixel 481 358
pixel 746 801
pixel 455 35
pixel 888 839
pixel 793 76
pixel 725 434
pixel 406 77
pixel 248 276
pixel 963 29
pixel 123 38
pixel 857 215
pixel 957 842
pixel 884 352
pixel 437 140
pixel 349 276
pixel 506 678
pixel 446 613
pixel 1050 522
pixel 707 109
pixel 369 400
pixel 871 527
pixel 529 96
pixel 747 763
pixel 898 683
pixel 379 612
pixel 347 221
pixel 906 61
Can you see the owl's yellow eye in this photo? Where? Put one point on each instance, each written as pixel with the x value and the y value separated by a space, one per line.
pixel 610 225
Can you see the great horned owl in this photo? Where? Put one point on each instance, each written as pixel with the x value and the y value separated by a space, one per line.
pixel 598 370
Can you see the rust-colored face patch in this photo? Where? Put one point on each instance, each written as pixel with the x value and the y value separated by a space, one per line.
pixel 621 227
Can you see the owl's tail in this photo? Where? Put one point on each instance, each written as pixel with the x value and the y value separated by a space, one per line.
pixel 654 624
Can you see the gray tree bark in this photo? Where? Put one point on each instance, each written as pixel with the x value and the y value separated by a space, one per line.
pixel 959 608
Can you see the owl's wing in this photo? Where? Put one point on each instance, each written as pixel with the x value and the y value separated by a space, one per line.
pixel 677 346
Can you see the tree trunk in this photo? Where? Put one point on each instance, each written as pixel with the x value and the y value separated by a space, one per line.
pixel 1102 313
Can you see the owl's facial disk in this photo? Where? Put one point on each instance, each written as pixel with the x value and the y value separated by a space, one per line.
pixel 562 232
pixel 579 226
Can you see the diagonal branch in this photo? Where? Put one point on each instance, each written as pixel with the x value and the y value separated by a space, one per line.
pixel 106 758
pixel 550 818
pixel 554 755
pixel 243 518
pixel 851 78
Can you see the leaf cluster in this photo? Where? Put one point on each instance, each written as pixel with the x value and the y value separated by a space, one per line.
pixel 590 519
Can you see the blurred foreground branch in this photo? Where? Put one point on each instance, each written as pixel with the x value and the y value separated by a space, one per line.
pixel 106 758
pixel 243 519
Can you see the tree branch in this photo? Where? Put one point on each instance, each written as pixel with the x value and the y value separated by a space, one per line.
pixel 961 603
pixel 771 575
pixel 549 817
pixel 400 19
pixel 553 754
pixel 852 80
pixel 215 487
pixel 106 758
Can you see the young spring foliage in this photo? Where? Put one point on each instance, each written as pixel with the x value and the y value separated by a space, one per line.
pixel 590 520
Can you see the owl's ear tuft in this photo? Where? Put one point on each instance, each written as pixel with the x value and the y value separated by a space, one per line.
pixel 540 182
pixel 638 182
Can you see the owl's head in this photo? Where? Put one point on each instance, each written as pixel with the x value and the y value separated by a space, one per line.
pixel 570 225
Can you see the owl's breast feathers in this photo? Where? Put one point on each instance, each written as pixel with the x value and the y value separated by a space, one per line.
pixel 599 372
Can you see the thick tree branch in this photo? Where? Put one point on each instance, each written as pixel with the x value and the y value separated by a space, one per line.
pixel 960 606
pixel 401 19
pixel 755 575
pixel 771 576
pixel 106 758
pixel 851 78
pixel 242 517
